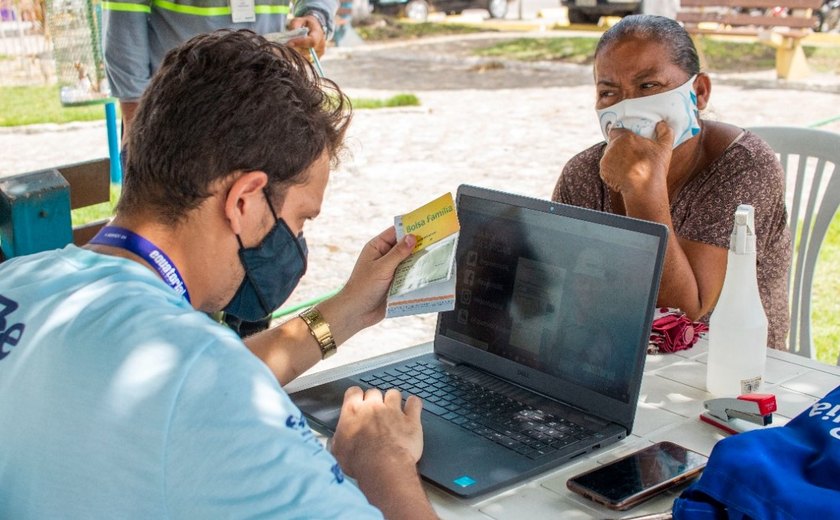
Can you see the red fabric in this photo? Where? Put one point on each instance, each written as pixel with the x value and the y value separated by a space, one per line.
pixel 673 331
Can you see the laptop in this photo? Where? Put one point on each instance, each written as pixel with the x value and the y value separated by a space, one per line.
pixel 541 360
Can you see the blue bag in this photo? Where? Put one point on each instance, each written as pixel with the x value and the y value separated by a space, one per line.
pixel 787 473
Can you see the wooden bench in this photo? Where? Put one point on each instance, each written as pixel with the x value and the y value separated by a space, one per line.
pixel 751 18
pixel 35 207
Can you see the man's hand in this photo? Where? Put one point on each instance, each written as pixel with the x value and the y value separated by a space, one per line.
pixel 378 443
pixel 367 288
pixel 290 350
pixel 373 430
pixel 633 165
pixel 316 39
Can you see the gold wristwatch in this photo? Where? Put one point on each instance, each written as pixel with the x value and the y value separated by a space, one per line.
pixel 320 330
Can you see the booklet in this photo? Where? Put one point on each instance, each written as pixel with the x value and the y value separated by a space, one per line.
pixel 425 281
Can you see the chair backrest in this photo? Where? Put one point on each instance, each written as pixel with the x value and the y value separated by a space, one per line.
pixel 811 160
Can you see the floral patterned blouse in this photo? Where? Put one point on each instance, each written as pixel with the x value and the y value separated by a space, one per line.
pixel 703 211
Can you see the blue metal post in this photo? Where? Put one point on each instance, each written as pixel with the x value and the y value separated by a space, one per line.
pixel 113 143
pixel 34 213
pixel 345 35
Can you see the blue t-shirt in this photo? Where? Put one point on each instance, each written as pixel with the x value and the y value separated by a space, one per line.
pixel 119 400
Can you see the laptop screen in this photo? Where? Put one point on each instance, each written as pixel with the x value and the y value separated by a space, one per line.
pixel 569 297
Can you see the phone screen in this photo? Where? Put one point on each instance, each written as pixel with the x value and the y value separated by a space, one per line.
pixel 640 475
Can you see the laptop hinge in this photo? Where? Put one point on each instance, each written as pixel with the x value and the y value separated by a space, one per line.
pixel 446 362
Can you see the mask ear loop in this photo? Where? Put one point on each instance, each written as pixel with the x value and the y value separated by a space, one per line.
pixel 242 248
pixel 279 221
pixel 256 288
pixel 270 205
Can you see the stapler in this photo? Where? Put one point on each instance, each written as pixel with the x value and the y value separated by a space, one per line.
pixel 744 413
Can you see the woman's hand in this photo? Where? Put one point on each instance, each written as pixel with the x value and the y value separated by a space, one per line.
pixel 636 166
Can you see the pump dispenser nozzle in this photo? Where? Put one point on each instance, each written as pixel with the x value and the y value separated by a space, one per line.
pixel 742 240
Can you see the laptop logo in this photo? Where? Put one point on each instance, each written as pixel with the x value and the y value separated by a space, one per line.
pixel 521 373
pixel 464 481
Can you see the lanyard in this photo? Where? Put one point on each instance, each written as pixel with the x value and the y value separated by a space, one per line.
pixel 124 239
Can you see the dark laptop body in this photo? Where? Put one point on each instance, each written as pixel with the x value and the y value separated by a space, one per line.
pixel 553 311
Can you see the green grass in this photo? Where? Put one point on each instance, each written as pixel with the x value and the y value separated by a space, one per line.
pixel 381 28
pixel 825 304
pixel 399 100
pixel 34 105
pixel 41 104
pixel 721 55
pixel 824 59
pixel 97 211
pixel 574 50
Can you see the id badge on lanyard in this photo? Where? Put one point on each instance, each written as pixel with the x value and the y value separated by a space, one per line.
pixel 242 11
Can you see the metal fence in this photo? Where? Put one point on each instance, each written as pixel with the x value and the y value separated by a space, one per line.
pixel 25 51
pixel 74 26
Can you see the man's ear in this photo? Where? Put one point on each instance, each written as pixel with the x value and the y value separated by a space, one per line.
pixel 245 200
pixel 703 89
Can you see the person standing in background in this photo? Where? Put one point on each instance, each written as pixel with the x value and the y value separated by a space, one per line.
pixel 137 34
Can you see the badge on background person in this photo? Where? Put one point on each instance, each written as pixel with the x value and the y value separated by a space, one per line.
pixel 243 11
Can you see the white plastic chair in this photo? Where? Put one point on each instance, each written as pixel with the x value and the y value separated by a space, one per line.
pixel 813 157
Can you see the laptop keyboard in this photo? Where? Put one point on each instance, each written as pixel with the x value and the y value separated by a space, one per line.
pixel 513 424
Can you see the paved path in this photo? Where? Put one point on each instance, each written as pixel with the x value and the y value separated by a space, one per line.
pixel 485 122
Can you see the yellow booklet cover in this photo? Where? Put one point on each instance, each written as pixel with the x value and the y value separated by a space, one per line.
pixel 425 282
pixel 430 223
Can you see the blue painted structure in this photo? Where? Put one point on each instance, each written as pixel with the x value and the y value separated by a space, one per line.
pixel 113 142
pixel 34 213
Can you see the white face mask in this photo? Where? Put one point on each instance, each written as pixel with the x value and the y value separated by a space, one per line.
pixel 677 107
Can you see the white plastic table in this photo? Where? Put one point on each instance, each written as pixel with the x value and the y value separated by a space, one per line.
pixel 671 399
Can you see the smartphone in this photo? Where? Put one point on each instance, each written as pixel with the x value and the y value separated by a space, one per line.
pixel 286 36
pixel 631 480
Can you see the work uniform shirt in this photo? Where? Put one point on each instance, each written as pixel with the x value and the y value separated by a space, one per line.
pixel 137 34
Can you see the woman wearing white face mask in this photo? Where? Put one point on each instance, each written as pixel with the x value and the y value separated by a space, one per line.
pixel 661 162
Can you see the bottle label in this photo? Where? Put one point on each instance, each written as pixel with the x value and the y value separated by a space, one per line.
pixel 749 386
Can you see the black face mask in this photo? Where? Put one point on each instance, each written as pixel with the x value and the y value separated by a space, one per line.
pixel 272 271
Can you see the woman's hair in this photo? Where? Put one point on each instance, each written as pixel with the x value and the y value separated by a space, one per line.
pixel 225 102
pixel 659 29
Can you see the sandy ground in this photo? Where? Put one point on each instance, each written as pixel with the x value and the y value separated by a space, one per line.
pixel 495 124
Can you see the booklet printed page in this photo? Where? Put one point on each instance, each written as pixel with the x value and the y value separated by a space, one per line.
pixel 425 281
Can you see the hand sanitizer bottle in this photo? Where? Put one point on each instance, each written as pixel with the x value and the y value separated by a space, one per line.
pixel 738 325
